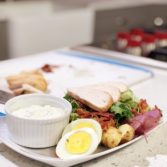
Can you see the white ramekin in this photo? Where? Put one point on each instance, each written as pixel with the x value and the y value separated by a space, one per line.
pixel 36 133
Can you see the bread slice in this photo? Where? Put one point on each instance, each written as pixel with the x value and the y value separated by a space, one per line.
pixel 97 100
pixel 114 92
pixel 34 79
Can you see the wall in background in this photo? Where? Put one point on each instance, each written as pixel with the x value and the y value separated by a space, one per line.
pixel 37 26
pixel 28 27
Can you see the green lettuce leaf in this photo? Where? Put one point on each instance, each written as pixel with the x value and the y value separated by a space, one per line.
pixel 73 102
pixel 73 116
pixel 121 111
pixel 126 96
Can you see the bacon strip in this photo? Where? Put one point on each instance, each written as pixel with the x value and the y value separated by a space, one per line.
pixel 49 68
pixel 105 119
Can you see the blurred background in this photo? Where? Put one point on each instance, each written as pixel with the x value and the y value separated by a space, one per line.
pixel 29 27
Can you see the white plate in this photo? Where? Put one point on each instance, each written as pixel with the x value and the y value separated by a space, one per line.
pixel 48 155
pixel 88 70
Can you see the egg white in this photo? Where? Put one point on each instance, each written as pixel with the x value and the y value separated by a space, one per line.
pixel 64 154
pixel 95 124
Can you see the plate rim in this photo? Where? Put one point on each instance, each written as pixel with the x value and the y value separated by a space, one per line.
pixel 73 161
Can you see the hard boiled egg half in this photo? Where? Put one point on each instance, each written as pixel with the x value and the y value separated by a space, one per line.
pixel 84 123
pixel 77 143
pixel 80 138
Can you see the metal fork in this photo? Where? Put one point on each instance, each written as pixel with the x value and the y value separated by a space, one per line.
pixel 5 96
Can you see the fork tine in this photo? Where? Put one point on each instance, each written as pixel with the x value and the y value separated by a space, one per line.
pixel 5 96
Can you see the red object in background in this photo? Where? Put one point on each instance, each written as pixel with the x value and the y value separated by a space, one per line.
pixel 137 34
pixel 161 37
pixel 133 43
pixel 122 40
pixel 161 34
pixel 123 35
pixel 137 31
pixel 134 47
pixel 148 38
pixel 148 44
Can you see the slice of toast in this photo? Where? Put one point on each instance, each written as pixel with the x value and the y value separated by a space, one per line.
pixel 34 79
pixel 97 100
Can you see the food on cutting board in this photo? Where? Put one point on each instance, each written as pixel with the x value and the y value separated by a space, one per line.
pixel 121 115
pixel 49 68
pixel 32 81
pixel 27 82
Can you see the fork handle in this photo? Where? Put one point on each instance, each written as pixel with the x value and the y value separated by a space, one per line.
pixel 2 114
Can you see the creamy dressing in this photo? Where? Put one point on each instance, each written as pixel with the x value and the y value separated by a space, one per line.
pixel 39 112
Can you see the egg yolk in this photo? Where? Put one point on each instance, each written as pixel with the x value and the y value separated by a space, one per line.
pixel 78 143
pixel 84 125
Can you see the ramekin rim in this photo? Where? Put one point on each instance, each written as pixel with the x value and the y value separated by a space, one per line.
pixel 64 116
